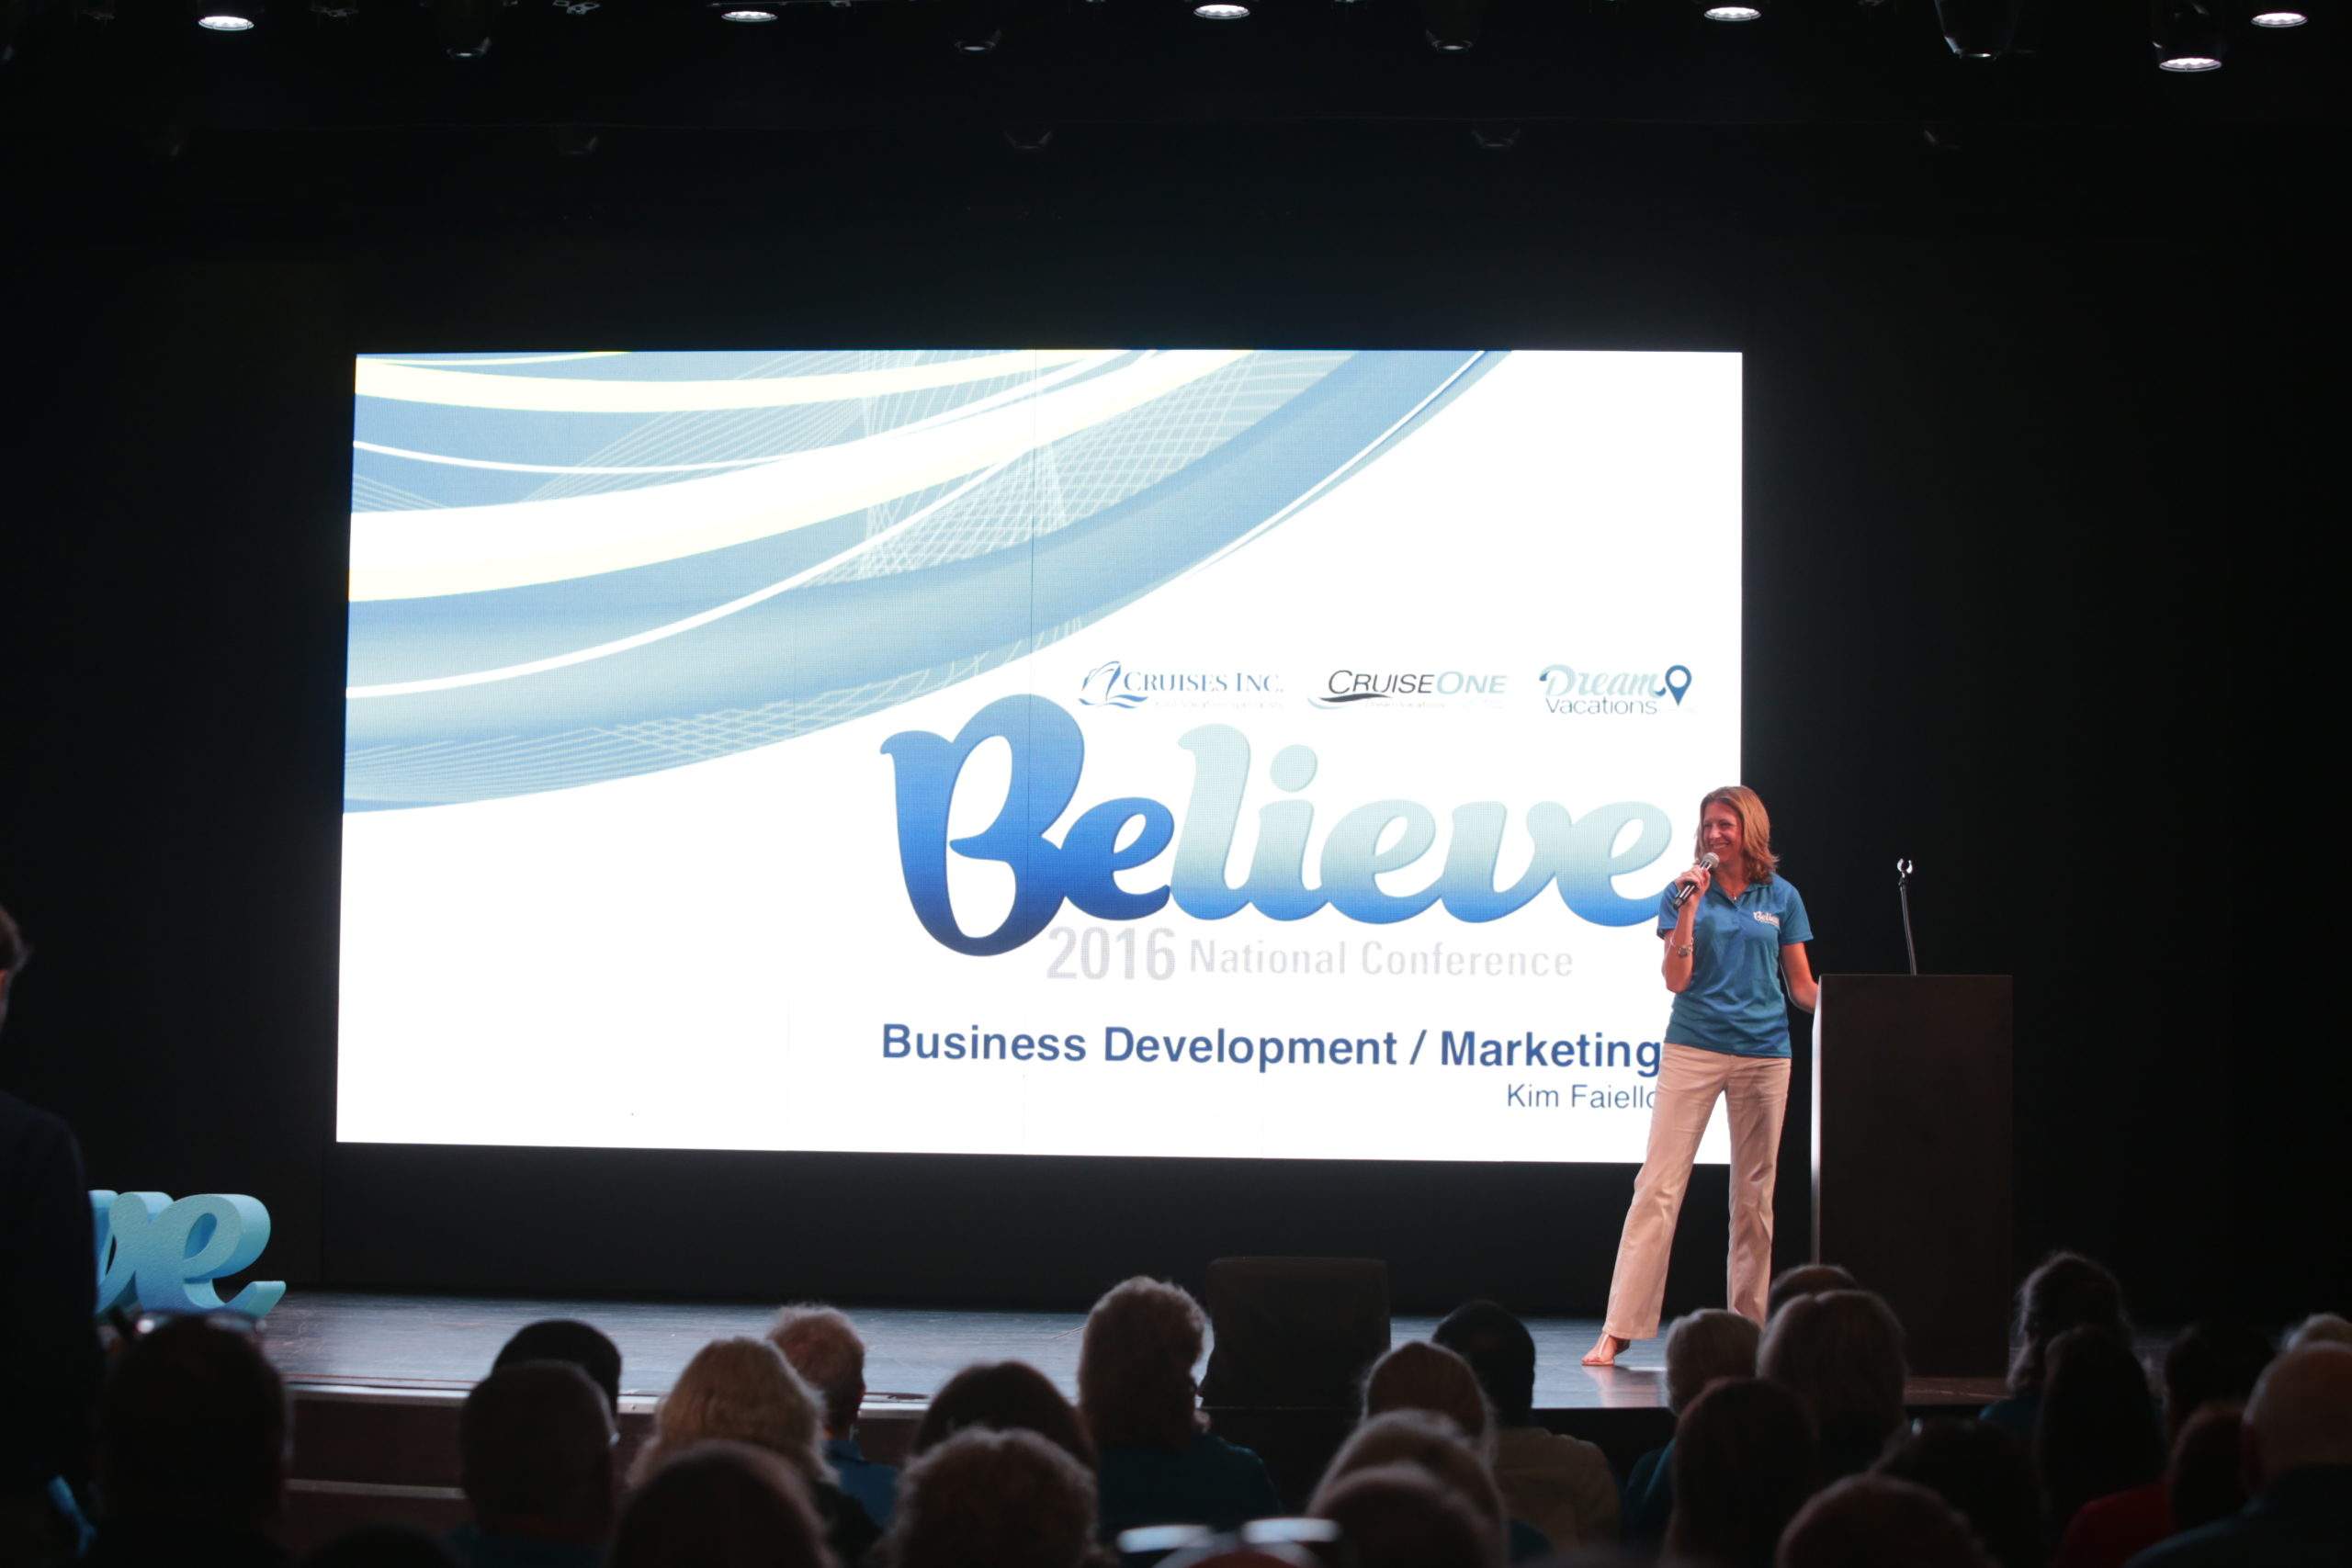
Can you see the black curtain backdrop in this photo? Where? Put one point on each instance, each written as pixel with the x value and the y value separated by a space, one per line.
pixel 2021 603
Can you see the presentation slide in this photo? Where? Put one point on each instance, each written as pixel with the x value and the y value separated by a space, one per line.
pixel 1264 754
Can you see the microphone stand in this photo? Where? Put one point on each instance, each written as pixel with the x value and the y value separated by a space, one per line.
pixel 1903 892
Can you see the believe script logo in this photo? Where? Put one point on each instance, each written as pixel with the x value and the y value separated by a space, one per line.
pixel 1581 855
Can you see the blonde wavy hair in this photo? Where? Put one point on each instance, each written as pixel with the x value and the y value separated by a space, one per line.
pixel 1134 1366
pixel 1754 829
pixel 1418 1375
pixel 1434 1444
pixel 741 1391
pixel 819 1344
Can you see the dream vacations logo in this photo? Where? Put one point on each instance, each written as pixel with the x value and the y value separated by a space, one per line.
pixel 1568 691
pixel 1113 684
pixel 1583 856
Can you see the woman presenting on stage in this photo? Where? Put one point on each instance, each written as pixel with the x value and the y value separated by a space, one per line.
pixel 1731 935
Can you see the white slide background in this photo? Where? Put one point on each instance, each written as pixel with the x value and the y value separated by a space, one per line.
pixel 704 957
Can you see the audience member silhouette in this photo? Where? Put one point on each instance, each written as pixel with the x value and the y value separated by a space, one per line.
pixel 2206 1478
pixel 720 1505
pixel 823 1347
pixel 569 1339
pixel 192 1441
pixel 2319 1328
pixel 535 1449
pixel 1398 1516
pixel 1560 1485
pixel 990 1499
pixel 1876 1521
pixel 2097 1431
pixel 743 1391
pixel 384 1546
pixel 1003 1396
pixel 2206 1362
pixel 2068 1291
pixel 1700 1347
pixel 1988 1476
pixel 1840 1352
pixel 1416 1375
pixel 49 1350
pixel 1805 1279
pixel 1156 1461
pixel 1431 1444
pixel 1743 1466
pixel 2298 1449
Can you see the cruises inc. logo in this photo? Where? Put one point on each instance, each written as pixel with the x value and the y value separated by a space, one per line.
pixel 1113 684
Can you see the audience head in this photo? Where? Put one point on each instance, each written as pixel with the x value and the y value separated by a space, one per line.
pixel 1437 1447
pixel 2211 1361
pixel 1134 1366
pixel 1871 1521
pixel 2300 1415
pixel 1743 1466
pixel 2206 1478
pixel 2319 1328
pixel 1840 1352
pixel 1705 1345
pixel 739 1390
pixel 1419 1376
pixel 192 1432
pixel 535 1444
pixel 12 958
pixel 1805 1279
pixel 2067 1291
pixel 1003 1396
pixel 383 1546
pixel 569 1339
pixel 720 1505
pixel 1986 1476
pixel 985 1499
pixel 2097 1432
pixel 1500 1351
pixel 826 1351
pixel 1399 1516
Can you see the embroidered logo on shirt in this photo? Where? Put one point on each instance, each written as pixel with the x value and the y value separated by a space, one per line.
pixel 1767 919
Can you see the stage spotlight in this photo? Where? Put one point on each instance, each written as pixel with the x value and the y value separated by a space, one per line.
pixel 1453 24
pixel 2278 17
pixel 974 27
pixel 748 14
pixel 464 26
pixel 1732 13
pixel 1222 11
pixel 228 16
pixel 1979 29
pixel 2185 36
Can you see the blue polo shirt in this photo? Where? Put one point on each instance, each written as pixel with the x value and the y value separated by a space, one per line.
pixel 1734 1002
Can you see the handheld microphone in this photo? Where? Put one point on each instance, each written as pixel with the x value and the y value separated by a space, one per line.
pixel 1683 889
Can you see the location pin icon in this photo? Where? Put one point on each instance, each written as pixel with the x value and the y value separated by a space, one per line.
pixel 1677 680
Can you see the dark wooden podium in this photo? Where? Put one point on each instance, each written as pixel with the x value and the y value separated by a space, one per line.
pixel 1911 1156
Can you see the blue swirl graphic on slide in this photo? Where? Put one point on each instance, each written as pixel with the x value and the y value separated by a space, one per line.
pixel 584 568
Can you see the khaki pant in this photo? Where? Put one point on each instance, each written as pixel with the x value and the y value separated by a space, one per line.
pixel 1689 1079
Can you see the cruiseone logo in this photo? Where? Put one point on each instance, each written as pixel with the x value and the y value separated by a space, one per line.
pixel 1569 691
pixel 1408 688
pixel 1582 856
pixel 1113 684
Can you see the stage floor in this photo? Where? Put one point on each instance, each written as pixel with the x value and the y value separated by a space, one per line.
pixel 358 1341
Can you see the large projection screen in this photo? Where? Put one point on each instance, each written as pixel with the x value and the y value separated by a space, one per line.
pixel 1180 752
